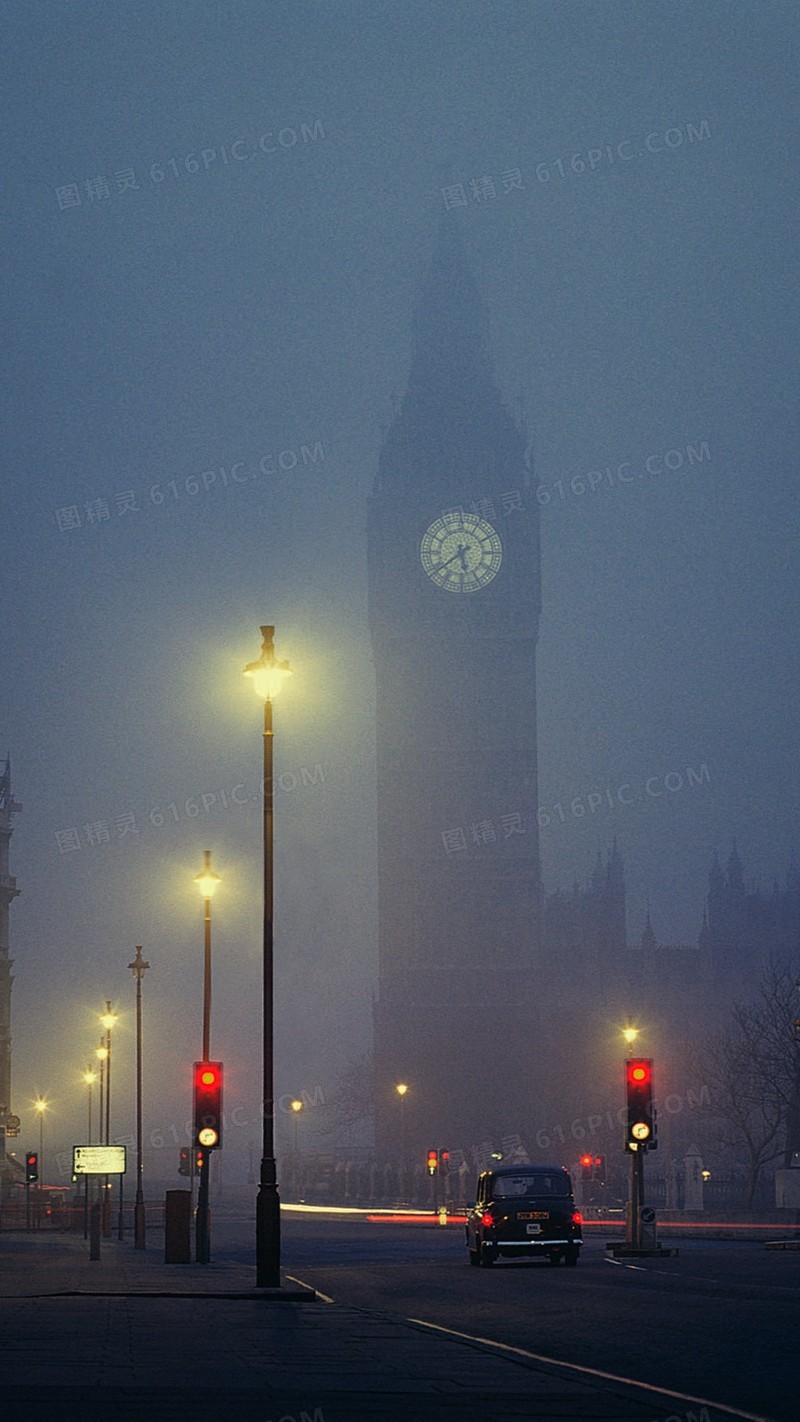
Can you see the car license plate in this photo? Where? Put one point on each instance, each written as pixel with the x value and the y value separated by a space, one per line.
pixel 533 1215
pixel 533 1228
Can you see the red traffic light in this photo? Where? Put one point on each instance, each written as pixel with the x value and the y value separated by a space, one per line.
pixel 208 1104
pixel 640 1130
pixel 31 1167
pixel 586 1160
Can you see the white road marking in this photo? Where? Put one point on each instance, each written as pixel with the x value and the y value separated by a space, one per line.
pixel 591 1372
pixel 293 1280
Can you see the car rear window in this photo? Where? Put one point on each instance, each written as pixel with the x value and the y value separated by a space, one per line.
pixel 528 1183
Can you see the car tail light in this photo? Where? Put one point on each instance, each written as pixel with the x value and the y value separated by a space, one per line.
pixel 487 1219
pixel 577 1217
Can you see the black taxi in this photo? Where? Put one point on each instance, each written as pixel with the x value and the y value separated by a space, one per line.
pixel 524 1210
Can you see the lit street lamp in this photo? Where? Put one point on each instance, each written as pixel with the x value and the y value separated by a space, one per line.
pixel 268 676
pixel 401 1089
pixel 101 1053
pixel 107 1020
pixel 206 882
pixel 90 1077
pixel 40 1106
pixel 297 1107
pixel 630 1034
pixel 138 967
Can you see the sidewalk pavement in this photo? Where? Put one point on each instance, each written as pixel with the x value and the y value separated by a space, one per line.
pixel 129 1337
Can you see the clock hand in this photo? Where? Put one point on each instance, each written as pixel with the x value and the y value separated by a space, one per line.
pixel 462 548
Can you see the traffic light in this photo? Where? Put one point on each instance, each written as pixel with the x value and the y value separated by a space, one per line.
pixel 640 1130
pixel 198 1161
pixel 599 1167
pixel 433 1161
pixel 185 1166
pixel 31 1167
pixel 208 1104
pixel 444 1161
pixel 587 1162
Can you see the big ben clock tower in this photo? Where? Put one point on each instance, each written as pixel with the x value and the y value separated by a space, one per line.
pixel 454 599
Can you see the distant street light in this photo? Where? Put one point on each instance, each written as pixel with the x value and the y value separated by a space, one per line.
pixel 630 1034
pixel 139 967
pixel 102 1054
pixel 90 1077
pixel 268 676
pixel 107 1020
pixel 40 1106
pixel 207 882
pixel 401 1089
pixel 297 1107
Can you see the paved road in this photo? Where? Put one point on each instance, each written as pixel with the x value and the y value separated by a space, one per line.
pixel 719 1321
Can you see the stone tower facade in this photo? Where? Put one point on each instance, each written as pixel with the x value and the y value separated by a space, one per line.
pixel 454 603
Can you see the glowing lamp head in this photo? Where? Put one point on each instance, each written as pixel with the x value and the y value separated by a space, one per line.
pixel 207 880
pixel 108 1019
pixel 267 674
pixel 40 1105
pixel 101 1053
pixel 208 1137
pixel 267 680
pixel 401 1088
pixel 297 1106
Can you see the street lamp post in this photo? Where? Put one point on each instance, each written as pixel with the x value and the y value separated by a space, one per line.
pixel 40 1106
pixel 107 1020
pixel 268 675
pixel 297 1107
pixel 206 882
pixel 101 1053
pixel 401 1089
pixel 90 1077
pixel 139 967
pixel 102 1056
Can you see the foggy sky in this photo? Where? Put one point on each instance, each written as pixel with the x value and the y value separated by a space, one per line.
pixel 638 261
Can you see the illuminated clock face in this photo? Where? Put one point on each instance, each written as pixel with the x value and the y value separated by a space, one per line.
pixel 461 553
pixel 640 1131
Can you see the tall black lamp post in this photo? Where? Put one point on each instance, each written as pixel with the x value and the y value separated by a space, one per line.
pixel 138 967
pixel 268 676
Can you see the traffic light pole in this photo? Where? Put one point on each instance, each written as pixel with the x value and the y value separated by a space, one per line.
pixel 634 1230
pixel 202 1230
